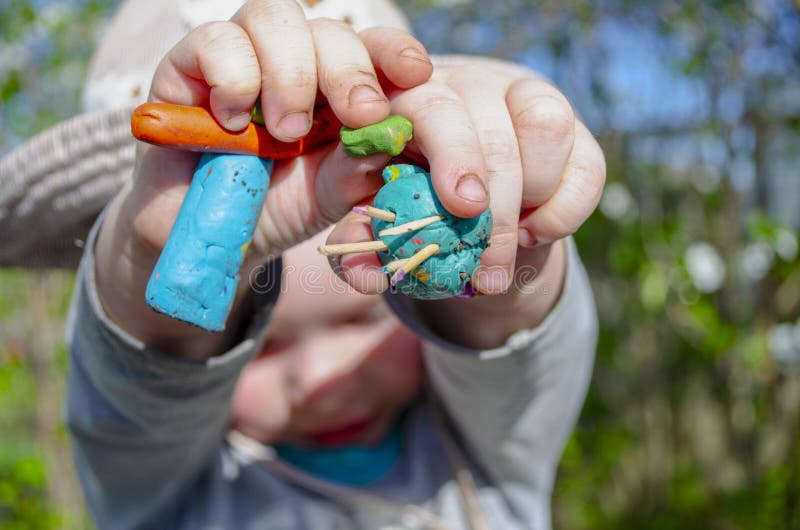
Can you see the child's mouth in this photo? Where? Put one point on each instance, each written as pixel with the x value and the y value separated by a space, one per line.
pixel 342 434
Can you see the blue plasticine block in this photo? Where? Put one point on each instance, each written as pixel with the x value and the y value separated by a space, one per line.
pixel 197 273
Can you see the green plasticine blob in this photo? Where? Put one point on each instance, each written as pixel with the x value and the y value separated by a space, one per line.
pixel 387 136
pixel 257 115
pixel 409 194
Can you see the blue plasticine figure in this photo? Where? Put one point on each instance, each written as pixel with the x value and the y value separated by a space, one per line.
pixel 197 273
pixel 409 194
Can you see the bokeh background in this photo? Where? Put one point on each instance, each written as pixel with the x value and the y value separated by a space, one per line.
pixel 692 420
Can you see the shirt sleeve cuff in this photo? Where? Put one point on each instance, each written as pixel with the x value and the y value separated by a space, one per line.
pixel 126 370
pixel 521 340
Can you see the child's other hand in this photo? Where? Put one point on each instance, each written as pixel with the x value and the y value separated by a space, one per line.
pixel 517 142
pixel 542 167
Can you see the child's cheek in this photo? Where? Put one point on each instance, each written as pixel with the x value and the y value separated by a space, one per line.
pixel 260 406
pixel 399 366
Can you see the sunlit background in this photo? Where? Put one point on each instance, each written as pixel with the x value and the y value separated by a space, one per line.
pixel 693 417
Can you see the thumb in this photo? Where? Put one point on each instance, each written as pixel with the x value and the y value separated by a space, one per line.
pixel 161 180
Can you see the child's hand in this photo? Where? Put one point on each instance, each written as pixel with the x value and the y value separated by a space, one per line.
pixel 541 167
pixel 267 49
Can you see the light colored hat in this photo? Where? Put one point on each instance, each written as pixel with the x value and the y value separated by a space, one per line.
pixel 54 185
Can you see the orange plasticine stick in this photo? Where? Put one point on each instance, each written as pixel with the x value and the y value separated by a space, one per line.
pixel 195 129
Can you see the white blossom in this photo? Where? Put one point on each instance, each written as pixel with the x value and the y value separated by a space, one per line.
pixel 616 201
pixel 54 13
pixel 755 260
pixel 707 179
pixel 13 56
pixel 705 266
pixel 784 344
pixel 786 245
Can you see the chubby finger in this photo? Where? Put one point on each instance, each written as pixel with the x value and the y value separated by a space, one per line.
pixel 285 50
pixel 213 65
pixel 401 58
pixel 484 99
pixel 545 128
pixel 346 75
pixel 361 271
pixel 577 195
pixel 162 179
pixel 445 135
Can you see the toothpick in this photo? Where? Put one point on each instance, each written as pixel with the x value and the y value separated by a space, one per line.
pixel 376 213
pixel 352 248
pixel 393 266
pixel 413 262
pixel 410 226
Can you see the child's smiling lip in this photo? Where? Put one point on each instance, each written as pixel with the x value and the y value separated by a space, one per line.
pixel 344 433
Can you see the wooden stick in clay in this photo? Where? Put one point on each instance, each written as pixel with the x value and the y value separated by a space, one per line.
pixel 413 262
pixel 375 213
pixel 351 248
pixel 410 226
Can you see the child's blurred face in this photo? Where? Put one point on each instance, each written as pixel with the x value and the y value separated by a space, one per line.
pixel 337 367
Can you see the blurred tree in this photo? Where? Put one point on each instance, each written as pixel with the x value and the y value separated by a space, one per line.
pixel 44 52
pixel 692 419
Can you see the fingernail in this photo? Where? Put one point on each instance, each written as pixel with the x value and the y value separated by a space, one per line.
pixel 237 122
pixel 526 239
pixel 470 188
pixel 413 53
pixel 494 280
pixel 361 94
pixel 294 125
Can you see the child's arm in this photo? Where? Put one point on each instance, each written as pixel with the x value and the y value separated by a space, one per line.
pixel 514 406
pixel 511 367
pixel 144 423
pixel 148 397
